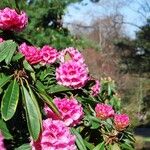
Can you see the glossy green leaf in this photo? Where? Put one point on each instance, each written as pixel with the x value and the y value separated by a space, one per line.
pixel 36 104
pixel 17 57
pixel 89 145
pixel 100 146
pixel 32 114
pixel 27 66
pixel 5 130
pixel 33 75
pixel 11 52
pixel 4 80
pixel 4 49
pixel 10 101
pixel 40 86
pixel 126 146
pixel 57 89
pixel 7 49
pixel 79 140
pixel 47 99
pixel 24 147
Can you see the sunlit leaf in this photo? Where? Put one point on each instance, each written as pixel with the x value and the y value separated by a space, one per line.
pixel 32 114
pixel 10 101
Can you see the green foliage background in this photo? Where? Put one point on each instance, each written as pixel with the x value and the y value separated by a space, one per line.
pixel 45 24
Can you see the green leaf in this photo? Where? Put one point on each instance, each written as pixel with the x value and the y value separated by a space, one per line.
pixel 33 76
pixel 57 89
pixel 79 140
pixel 40 86
pixel 27 66
pixel 7 49
pixel 32 114
pixel 90 146
pixel 36 104
pixel 17 57
pixel 47 99
pixel 10 101
pixel 24 147
pixel 115 147
pixel 126 146
pixel 100 146
pixel 4 49
pixel 4 80
pixel 11 52
pixel 5 130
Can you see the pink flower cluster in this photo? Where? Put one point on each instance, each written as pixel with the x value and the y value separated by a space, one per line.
pixel 71 111
pixel 47 55
pixel 31 53
pixel 1 40
pixel 72 74
pixel 104 111
pixel 72 71
pixel 95 89
pixel 12 21
pixel 121 121
pixel 1 142
pixel 55 136
pixel 73 53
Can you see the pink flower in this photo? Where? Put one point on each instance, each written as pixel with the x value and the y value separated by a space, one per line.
pixel 121 121
pixel 72 74
pixel 11 20
pixel 104 111
pixel 31 53
pixel 1 40
pixel 1 142
pixel 48 55
pixel 73 54
pixel 95 89
pixel 55 136
pixel 71 111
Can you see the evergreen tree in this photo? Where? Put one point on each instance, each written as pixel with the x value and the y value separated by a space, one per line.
pixel 45 24
pixel 135 53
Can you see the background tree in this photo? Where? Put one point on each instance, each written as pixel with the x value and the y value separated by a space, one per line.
pixel 45 23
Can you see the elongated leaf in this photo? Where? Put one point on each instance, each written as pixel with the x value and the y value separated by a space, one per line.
pixel 17 57
pixel 4 49
pixel 79 140
pixel 10 101
pixel 36 104
pixel 27 66
pixel 58 88
pixel 47 99
pixel 32 114
pixel 4 80
pixel 89 145
pixel 100 146
pixel 11 52
pixel 40 86
pixel 7 49
pixel 5 130
pixel 24 147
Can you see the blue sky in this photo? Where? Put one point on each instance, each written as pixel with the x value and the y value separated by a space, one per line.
pixel 85 11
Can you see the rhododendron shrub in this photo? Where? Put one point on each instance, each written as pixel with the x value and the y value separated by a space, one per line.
pixel 49 99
